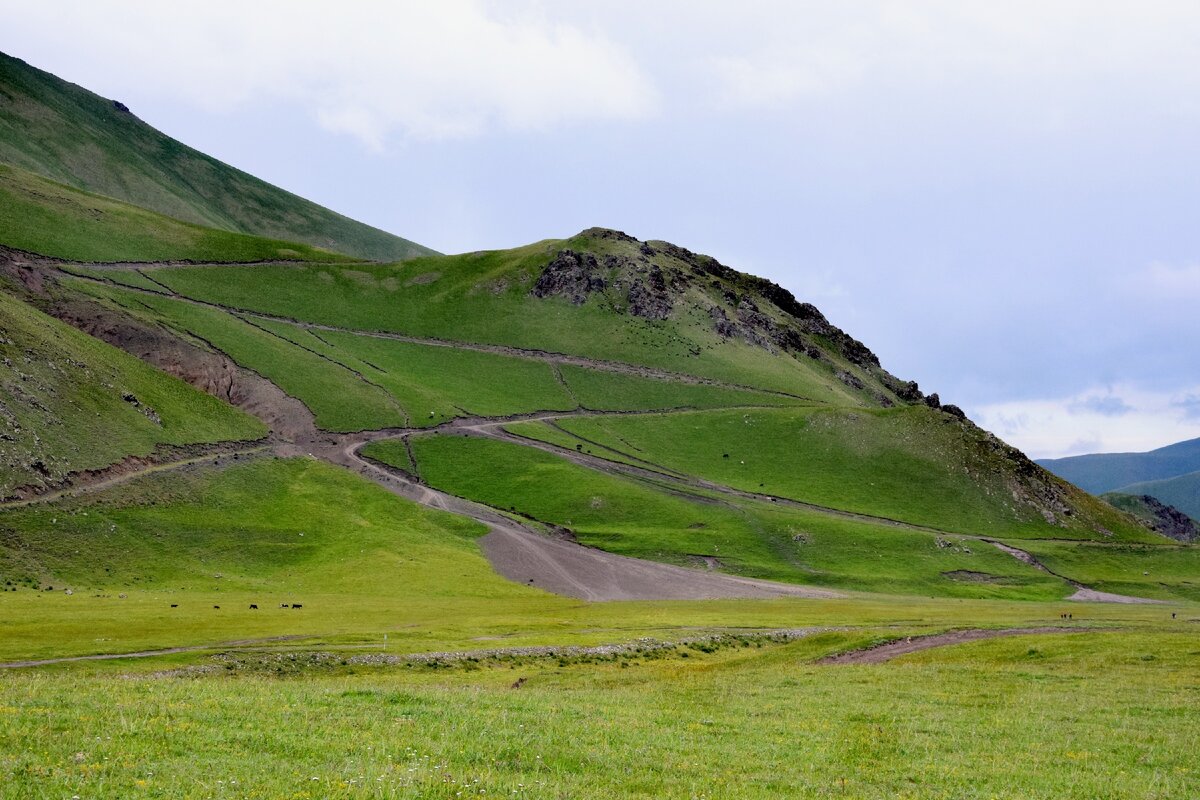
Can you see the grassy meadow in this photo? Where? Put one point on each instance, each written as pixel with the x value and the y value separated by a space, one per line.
pixel 1022 717
pixel 319 702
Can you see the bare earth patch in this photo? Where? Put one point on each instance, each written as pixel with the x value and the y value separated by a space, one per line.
pixel 913 644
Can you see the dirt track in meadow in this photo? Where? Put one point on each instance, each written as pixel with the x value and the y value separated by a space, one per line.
pixel 915 644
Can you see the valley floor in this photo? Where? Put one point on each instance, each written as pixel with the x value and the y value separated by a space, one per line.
pixel 546 599
pixel 1107 715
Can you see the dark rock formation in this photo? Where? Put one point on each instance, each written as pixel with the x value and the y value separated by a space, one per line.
pixel 954 411
pixel 650 298
pixel 850 380
pixel 1172 522
pixel 571 275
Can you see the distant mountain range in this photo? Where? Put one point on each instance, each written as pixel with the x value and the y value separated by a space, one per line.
pixel 1169 474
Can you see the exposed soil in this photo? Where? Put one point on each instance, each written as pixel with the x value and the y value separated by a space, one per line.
pixel 146 653
pixel 570 569
pixel 912 644
pixel 206 368
pixel 237 657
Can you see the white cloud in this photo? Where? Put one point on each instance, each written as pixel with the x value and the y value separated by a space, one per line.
pixel 775 78
pixel 1085 422
pixel 1174 282
pixel 420 70
pixel 1037 66
pixel 1106 405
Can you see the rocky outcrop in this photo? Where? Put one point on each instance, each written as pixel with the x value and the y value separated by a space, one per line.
pixel 1157 515
pixel 1170 521
pixel 650 298
pixel 954 411
pixel 657 279
pixel 850 380
pixel 571 275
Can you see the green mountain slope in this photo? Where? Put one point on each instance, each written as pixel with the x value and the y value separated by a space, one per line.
pixel 910 464
pixel 600 294
pixel 1107 472
pixel 861 441
pixel 41 216
pixel 70 135
pixel 671 407
pixel 69 402
pixel 1181 491
pixel 1162 517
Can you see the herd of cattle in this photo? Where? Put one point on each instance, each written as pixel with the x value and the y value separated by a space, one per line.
pixel 255 605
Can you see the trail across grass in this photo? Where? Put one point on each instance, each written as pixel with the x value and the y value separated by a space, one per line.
pixel 1021 717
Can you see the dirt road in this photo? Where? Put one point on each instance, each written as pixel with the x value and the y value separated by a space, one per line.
pixel 914 644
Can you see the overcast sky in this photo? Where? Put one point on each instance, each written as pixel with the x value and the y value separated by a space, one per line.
pixel 1002 199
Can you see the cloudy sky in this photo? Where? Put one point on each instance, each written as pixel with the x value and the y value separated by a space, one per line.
pixel 1001 199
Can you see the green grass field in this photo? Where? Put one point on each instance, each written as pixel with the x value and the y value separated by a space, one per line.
pixel 365 563
pixel 1095 716
pixel 608 391
pixel 1024 717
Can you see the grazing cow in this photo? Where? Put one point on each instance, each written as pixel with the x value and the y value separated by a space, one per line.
pixel 254 606
pixel 216 606
pixel 297 605
pixel 283 605
pixel 174 605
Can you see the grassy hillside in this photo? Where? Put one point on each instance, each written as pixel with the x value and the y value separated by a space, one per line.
pixel 600 294
pixel 41 216
pixel 272 527
pixel 912 464
pixel 1182 492
pixel 358 382
pixel 70 135
pixel 1108 472
pixel 69 402
pixel 641 519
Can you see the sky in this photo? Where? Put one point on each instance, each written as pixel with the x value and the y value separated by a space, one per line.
pixel 1000 199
